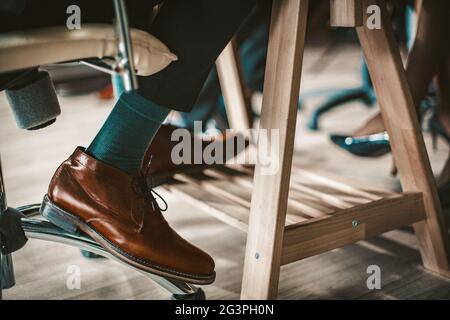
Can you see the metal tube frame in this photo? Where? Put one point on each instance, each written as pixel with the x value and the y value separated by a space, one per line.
pixel 38 228
pixel 125 63
pixel 7 279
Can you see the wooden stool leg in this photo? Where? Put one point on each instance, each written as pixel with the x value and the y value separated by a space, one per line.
pixel 408 147
pixel 231 80
pixel 445 174
pixel 279 111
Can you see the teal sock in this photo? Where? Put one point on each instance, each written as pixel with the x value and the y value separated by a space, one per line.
pixel 128 131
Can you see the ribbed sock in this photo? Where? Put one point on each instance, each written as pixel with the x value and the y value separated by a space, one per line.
pixel 127 132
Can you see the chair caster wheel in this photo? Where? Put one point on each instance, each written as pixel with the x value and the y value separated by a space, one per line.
pixel 90 255
pixel 199 295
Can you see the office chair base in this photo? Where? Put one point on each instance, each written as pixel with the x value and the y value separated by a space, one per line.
pixel 36 227
pixel 362 94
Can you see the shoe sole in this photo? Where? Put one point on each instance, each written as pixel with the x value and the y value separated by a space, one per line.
pixel 71 223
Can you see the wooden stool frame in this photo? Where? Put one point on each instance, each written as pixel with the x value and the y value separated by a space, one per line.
pixel 275 236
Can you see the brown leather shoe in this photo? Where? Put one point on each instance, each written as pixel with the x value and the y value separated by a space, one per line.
pixel 161 166
pixel 120 213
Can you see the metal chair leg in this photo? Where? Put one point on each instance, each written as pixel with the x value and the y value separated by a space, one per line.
pixel 125 54
pixel 7 279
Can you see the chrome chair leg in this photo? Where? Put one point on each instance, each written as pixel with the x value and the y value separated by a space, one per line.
pixel 125 51
pixel 7 279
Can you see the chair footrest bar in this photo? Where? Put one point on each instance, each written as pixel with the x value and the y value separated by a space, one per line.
pixel 36 227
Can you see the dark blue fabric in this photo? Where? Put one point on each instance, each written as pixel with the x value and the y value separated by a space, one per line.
pixel 252 39
pixel 127 133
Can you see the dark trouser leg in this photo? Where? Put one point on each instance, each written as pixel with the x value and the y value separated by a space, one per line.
pixel 252 39
pixel 196 31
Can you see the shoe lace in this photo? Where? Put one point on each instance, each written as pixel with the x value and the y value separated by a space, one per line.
pixel 145 189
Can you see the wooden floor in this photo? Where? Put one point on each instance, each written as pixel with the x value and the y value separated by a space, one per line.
pixel 30 158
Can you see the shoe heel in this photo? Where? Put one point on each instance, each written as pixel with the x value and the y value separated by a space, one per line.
pixel 57 216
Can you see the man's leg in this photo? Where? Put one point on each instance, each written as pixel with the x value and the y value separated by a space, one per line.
pixel 127 133
pixel 97 192
pixel 196 31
